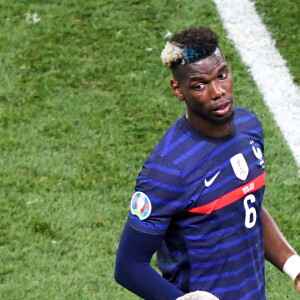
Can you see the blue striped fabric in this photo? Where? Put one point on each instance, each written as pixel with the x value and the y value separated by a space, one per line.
pixel 221 249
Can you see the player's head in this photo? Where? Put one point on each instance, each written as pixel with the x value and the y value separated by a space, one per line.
pixel 189 45
pixel 201 76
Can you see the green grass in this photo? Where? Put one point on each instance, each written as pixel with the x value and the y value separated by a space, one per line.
pixel 82 103
pixel 282 21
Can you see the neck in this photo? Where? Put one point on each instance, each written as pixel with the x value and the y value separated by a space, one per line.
pixel 207 127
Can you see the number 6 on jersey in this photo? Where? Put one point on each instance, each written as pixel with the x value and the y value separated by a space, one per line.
pixel 250 211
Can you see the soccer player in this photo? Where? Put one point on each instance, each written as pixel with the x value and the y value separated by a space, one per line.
pixel 198 198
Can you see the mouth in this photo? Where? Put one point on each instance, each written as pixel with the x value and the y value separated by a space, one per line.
pixel 222 109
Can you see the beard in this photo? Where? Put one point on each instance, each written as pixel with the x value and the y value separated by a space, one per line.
pixel 224 120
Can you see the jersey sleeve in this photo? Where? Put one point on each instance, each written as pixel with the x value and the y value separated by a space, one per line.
pixel 133 270
pixel 159 196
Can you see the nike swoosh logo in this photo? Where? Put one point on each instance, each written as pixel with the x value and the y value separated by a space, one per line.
pixel 210 182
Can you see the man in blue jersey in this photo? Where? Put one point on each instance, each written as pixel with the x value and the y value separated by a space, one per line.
pixel 198 197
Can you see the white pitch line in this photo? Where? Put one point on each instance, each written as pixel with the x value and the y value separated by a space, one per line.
pixel 257 49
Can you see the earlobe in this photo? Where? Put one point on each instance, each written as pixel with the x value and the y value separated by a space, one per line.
pixel 177 90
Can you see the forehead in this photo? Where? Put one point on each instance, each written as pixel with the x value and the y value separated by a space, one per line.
pixel 204 67
pixel 208 64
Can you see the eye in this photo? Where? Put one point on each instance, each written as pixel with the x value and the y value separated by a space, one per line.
pixel 222 75
pixel 199 86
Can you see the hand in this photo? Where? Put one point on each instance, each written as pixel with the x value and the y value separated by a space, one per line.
pixel 200 295
pixel 297 282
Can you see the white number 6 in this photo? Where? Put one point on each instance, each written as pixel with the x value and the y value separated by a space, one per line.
pixel 250 211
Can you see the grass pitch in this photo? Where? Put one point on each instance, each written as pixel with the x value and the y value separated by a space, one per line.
pixel 83 100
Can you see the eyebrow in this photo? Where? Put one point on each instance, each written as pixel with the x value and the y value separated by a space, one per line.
pixel 224 68
pixel 197 78
pixel 203 79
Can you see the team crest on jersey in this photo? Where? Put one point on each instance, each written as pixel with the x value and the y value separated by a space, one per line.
pixel 258 154
pixel 140 205
pixel 239 166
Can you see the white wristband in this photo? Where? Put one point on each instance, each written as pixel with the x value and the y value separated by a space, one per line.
pixel 292 266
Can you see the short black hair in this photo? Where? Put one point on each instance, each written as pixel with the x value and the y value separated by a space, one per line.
pixel 202 40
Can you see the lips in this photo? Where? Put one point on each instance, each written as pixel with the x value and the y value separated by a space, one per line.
pixel 222 108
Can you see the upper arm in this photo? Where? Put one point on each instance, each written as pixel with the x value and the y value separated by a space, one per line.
pixel 137 247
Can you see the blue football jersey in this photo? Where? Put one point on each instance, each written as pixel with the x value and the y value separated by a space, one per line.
pixel 204 194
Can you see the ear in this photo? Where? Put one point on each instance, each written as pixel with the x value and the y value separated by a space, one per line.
pixel 177 90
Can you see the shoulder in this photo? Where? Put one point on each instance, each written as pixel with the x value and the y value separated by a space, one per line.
pixel 244 117
pixel 247 124
pixel 169 137
pixel 241 111
pixel 175 142
pixel 161 169
pixel 161 164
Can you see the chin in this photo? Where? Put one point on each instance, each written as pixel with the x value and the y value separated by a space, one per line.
pixel 224 119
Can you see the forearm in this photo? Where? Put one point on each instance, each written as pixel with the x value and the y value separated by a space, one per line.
pixel 150 285
pixel 277 249
pixel 133 270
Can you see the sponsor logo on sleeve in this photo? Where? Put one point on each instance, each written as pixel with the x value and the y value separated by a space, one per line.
pixel 140 205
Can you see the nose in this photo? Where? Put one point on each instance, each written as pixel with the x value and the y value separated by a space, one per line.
pixel 216 90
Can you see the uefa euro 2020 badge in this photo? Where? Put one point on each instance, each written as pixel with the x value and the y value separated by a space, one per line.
pixel 140 205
